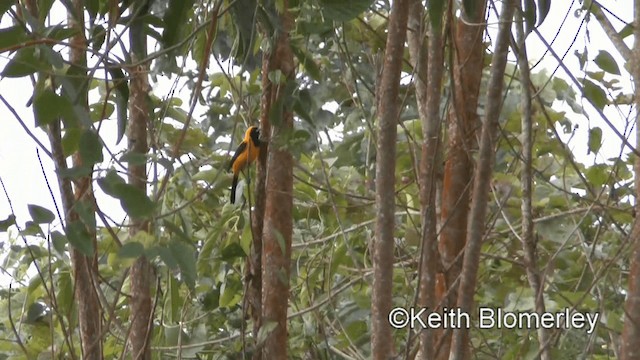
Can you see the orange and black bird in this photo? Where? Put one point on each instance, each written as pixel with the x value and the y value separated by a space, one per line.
pixel 246 153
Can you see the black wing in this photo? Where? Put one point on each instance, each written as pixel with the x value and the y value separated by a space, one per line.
pixel 239 150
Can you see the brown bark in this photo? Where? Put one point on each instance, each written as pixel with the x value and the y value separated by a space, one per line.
pixel 629 349
pixel 383 244
pixel 428 68
pixel 463 120
pixel 85 268
pixel 526 179
pixel 140 272
pixel 278 223
pixel 482 179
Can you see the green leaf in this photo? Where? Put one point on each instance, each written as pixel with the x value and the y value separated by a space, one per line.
pixel 109 183
pixel 174 19
pixel 131 250
pixel 340 10
pixel 79 237
pixel 594 94
pixel 90 148
pixel 543 10
pixel 11 36
pixel 25 62
pixel 606 62
pixel 45 107
pixel 5 5
pixel 595 140
pixel 626 31
pixel 31 229
pixel 122 99
pixel 436 12
pixel 86 212
pixel 529 15
pixel 306 60
pixel 597 174
pixel 4 224
pixel 40 215
pixel 134 201
pixel 185 257
pixel 231 251
pixel 59 241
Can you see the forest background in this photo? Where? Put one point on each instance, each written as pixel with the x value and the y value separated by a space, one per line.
pixel 397 133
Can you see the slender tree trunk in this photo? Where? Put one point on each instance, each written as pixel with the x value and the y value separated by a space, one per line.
pixel 278 222
pixel 429 72
pixel 482 180
pixel 463 120
pixel 526 179
pixel 629 349
pixel 140 272
pixel 388 114
pixel 84 268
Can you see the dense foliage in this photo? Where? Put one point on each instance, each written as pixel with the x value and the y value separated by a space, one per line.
pixel 199 242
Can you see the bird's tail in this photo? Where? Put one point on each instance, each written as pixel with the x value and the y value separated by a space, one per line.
pixel 234 185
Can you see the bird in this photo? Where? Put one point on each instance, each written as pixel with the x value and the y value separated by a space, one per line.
pixel 246 153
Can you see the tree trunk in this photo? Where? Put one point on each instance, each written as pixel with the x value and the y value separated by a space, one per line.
pixel 388 115
pixel 140 273
pixel 482 180
pixel 463 120
pixel 526 179
pixel 278 223
pixel 429 71
pixel 85 268
pixel 629 349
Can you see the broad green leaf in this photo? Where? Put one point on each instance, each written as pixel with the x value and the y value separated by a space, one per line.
pixel 594 94
pixel 529 15
pixel 231 251
pixel 59 241
pixel 90 147
pixel 174 19
pixel 131 250
pixel 543 10
pixel 185 257
pixel 25 62
pixel 134 201
pixel 627 30
pixel 4 224
pixel 122 99
pixel 340 10
pixel 31 229
pixel 5 5
pixel 11 36
pixel 606 62
pixel 595 140
pixel 306 59
pixel 40 215
pixel 75 172
pixel 45 107
pixel 598 174
pixel 87 214
pixel 70 140
pixel 79 237
pixel 109 183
